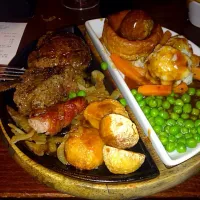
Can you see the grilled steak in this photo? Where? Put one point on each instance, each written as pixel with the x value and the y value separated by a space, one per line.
pixel 60 50
pixel 53 68
pixel 43 87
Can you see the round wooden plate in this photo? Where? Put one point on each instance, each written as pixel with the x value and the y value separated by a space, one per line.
pixel 169 177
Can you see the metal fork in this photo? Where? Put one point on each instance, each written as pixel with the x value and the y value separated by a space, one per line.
pixel 8 73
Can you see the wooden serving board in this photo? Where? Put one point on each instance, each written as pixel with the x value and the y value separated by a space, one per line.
pixel 169 177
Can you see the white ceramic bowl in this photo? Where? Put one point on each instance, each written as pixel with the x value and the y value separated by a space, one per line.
pixel 94 28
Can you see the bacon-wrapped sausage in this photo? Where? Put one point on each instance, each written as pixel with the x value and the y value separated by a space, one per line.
pixel 52 119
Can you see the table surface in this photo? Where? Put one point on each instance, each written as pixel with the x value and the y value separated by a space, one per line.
pixel 49 15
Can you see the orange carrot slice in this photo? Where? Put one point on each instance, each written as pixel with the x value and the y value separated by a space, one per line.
pixel 155 90
pixel 132 72
pixel 196 73
pixel 181 88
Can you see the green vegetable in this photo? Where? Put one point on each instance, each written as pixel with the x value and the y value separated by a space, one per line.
pixel 191 91
pixel 72 95
pixel 104 66
pixel 134 92
pixel 81 93
pixel 123 101
pixel 175 118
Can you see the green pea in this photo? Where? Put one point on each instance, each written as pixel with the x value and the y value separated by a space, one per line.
pixel 170 146
pixel 171 138
pixel 187 108
pixel 172 94
pixel 193 117
pixel 198 92
pixel 123 101
pixel 198 129
pixel 164 114
pixel 181 147
pixel 138 97
pixel 163 133
pixel 157 128
pixel 182 139
pixel 186 98
pixel 197 137
pixel 193 130
pixel 166 105
pixel 191 91
pixel 180 121
pixel 174 116
pixel 166 129
pixel 163 139
pixel 104 66
pixel 159 102
pixel 195 111
pixel 160 97
pixel 72 95
pixel 185 116
pixel 151 121
pixel 159 121
pixel 191 143
pixel 160 108
pixel 197 123
pixel 189 123
pixel 146 110
pixel 154 112
pixel 188 135
pixel 198 104
pixel 175 129
pixel 179 102
pixel 147 99
pixel 142 103
pixel 171 100
pixel 170 122
pixel 177 109
pixel 178 135
pixel 152 103
pixel 184 130
pixel 81 93
pixel 134 92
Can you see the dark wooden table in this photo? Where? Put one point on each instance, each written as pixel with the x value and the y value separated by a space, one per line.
pixel 49 15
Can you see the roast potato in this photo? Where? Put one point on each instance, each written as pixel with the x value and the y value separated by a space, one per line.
pixel 95 111
pixel 84 148
pixel 118 131
pixel 119 161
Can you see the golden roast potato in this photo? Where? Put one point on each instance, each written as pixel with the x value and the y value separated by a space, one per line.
pixel 95 111
pixel 119 161
pixel 84 148
pixel 118 131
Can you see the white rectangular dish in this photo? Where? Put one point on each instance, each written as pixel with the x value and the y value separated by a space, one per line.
pixel 94 28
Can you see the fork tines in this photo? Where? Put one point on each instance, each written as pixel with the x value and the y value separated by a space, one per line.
pixel 10 73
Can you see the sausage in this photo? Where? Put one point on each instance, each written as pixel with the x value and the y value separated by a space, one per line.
pixel 53 119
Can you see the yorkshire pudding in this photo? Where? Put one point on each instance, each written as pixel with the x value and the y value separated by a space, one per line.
pixel 113 36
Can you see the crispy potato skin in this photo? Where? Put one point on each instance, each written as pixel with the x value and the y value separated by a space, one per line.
pixel 120 161
pixel 84 148
pixel 118 131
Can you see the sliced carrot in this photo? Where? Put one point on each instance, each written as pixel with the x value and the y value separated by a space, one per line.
pixel 155 90
pixel 196 73
pixel 181 88
pixel 132 72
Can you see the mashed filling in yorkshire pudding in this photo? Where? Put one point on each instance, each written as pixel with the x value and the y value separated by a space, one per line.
pixel 131 34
